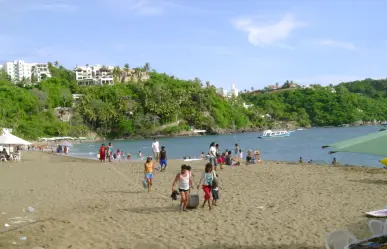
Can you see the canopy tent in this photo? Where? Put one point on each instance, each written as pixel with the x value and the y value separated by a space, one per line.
pixel 371 144
pixel 9 139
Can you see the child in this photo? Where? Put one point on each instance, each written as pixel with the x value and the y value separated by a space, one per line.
pixel 129 156
pixel 240 154
pixel 163 158
pixel 203 156
pixel 139 155
pixel 222 158
pixel 215 193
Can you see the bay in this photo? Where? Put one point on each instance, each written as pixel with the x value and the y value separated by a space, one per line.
pixel 306 144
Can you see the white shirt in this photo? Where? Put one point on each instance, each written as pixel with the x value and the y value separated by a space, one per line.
pixel 156 146
pixel 212 151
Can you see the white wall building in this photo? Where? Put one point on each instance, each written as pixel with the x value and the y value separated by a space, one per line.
pixel 20 70
pixel 94 75
pixel 222 92
pixel 233 92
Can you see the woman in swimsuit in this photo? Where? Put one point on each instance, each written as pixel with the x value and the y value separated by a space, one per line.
pixel 185 183
pixel 149 167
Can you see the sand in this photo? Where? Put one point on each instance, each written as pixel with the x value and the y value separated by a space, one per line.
pixel 86 204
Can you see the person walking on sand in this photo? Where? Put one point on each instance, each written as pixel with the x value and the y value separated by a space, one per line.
pixel 212 153
pixel 156 149
pixel 185 183
pixel 149 168
pixel 163 159
pixel 206 180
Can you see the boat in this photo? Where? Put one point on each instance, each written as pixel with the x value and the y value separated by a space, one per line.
pixel 280 133
pixel 300 129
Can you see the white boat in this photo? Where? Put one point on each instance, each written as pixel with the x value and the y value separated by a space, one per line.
pixel 300 129
pixel 280 133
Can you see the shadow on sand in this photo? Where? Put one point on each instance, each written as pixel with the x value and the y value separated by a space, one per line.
pixel 151 210
pixel 370 181
pixel 291 246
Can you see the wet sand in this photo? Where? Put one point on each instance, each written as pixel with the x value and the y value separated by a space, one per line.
pixel 86 204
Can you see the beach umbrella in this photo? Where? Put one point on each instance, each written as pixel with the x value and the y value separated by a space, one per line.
pixel 384 161
pixel 9 139
pixel 371 144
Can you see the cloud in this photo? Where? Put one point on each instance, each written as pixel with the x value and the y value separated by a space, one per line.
pixel 140 7
pixel 338 44
pixel 265 34
pixel 59 6
pixel 22 6
pixel 152 7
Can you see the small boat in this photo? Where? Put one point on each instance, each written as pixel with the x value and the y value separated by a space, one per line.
pixel 300 129
pixel 270 133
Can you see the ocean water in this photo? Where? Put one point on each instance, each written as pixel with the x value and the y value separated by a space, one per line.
pixel 306 144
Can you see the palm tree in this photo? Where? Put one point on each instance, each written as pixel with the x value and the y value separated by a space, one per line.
pixel 126 70
pixel 146 67
pixel 117 74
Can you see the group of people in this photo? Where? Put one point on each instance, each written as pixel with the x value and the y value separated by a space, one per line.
pixel 106 152
pixel 216 158
pixel 208 182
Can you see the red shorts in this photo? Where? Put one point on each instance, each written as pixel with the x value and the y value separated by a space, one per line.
pixel 219 160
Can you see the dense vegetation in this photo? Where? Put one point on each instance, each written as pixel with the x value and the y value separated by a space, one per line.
pixel 151 107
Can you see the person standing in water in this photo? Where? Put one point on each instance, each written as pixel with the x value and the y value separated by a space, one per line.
pixel 236 152
pixel 206 181
pixel 102 155
pixel 149 168
pixel 163 159
pixel 110 147
pixel 185 183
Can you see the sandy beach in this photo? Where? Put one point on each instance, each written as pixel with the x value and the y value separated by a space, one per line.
pixel 82 204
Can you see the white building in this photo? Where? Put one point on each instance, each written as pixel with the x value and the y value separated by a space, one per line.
pixel 233 92
pixel 29 72
pixel 222 92
pixel 94 75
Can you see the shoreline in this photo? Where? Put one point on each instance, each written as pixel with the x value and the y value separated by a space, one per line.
pixel 213 133
pixel 242 164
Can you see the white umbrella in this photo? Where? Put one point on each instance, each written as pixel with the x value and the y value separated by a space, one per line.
pixel 10 139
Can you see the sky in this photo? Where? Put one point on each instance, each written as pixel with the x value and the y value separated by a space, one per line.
pixel 249 43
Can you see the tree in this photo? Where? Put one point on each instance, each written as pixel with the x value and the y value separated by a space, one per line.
pixel 65 97
pixel 146 67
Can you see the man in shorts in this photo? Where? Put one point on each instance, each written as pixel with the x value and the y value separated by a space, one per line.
pixel 163 158
pixel 156 149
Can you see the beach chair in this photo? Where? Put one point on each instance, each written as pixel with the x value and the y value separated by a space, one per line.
pixel 339 239
pixel 376 227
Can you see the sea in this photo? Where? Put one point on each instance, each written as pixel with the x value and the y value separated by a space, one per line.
pixel 304 143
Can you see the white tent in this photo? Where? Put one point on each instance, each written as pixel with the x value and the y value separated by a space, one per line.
pixel 9 139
